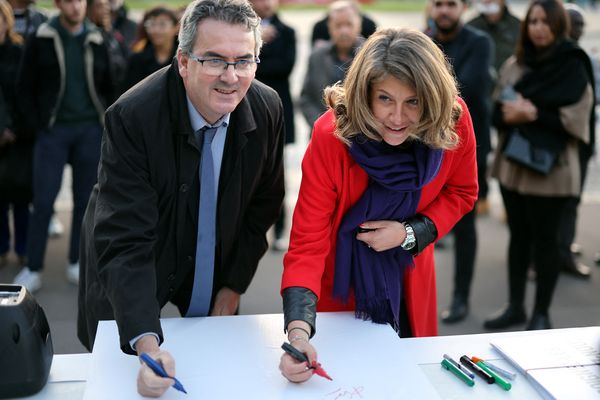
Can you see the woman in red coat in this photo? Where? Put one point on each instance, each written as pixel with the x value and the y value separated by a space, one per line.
pixel 390 168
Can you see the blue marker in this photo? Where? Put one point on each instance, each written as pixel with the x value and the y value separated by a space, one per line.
pixel 159 370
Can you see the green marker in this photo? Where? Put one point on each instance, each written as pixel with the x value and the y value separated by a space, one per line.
pixel 501 382
pixel 464 377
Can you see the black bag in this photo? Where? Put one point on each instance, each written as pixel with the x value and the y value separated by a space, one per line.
pixel 521 151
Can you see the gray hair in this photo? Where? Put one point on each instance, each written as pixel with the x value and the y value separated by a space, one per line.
pixel 235 12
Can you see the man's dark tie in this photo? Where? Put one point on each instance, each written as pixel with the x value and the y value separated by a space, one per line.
pixel 205 244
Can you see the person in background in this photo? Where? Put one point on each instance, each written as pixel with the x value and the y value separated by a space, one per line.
pixel 98 12
pixel 320 33
pixel 64 86
pixel 277 59
pixel 391 166
pixel 125 29
pixel 471 54
pixel 189 183
pixel 155 46
pixel 328 64
pixel 15 145
pixel 568 263
pixel 545 94
pixel 502 26
pixel 27 20
pixel 27 17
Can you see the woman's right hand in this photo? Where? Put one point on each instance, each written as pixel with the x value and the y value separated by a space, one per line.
pixel 297 371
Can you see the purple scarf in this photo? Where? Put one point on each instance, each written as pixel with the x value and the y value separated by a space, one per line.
pixel 396 177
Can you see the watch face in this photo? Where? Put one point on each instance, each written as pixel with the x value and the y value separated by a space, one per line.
pixel 409 241
pixel 410 245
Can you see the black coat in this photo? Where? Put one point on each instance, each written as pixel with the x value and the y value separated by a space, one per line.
pixel 142 64
pixel 15 158
pixel 10 56
pixel 471 54
pixel 40 82
pixel 138 237
pixel 277 60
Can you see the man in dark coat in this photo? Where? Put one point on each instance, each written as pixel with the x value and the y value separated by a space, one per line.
pixel 496 20
pixel 471 54
pixel 320 32
pixel 277 58
pixel 125 29
pixel 142 228
pixel 27 17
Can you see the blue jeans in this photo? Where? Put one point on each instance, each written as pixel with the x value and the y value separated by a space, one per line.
pixel 20 213
pixel 54 147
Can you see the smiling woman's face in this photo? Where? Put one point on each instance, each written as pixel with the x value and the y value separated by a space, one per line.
pixel 396 107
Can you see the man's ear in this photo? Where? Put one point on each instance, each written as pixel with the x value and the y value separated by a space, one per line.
pixel 182 63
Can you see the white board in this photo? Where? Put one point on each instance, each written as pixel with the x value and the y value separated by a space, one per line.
pixel 238 358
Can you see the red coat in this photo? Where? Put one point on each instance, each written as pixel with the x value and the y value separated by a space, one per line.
pixel 332 182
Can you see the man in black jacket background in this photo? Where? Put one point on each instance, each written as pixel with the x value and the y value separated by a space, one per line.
pixel 471 54
pixel 277 58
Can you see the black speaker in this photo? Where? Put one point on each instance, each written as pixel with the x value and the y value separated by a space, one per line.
pixel 25 344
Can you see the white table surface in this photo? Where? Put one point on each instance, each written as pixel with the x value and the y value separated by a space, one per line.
pixel 67 378
pixel 238 357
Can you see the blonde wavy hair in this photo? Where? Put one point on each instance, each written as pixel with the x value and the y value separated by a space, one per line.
pixel 411 57
pixel 6 12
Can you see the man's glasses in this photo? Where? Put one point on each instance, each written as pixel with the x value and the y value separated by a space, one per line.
pixel 217 66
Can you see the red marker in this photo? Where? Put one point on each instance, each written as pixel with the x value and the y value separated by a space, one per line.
pixel 298 355
pixel 320 371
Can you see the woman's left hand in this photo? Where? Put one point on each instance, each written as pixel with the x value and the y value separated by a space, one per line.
pixel 384 235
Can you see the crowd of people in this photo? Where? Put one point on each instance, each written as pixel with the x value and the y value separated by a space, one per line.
pixel 175 128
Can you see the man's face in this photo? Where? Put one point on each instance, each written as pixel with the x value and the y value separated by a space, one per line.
pixel 344 27
pixel 214 96
pixel 264 8
pixel 115 4
pixel 72 12
pixel 99 11
pixel 446 14
pixel 577 25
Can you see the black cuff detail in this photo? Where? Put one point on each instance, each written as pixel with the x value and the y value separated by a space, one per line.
pixel 299 304
pixel 425 232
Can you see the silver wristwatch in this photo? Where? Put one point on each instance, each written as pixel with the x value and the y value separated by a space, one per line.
pixel 410 241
